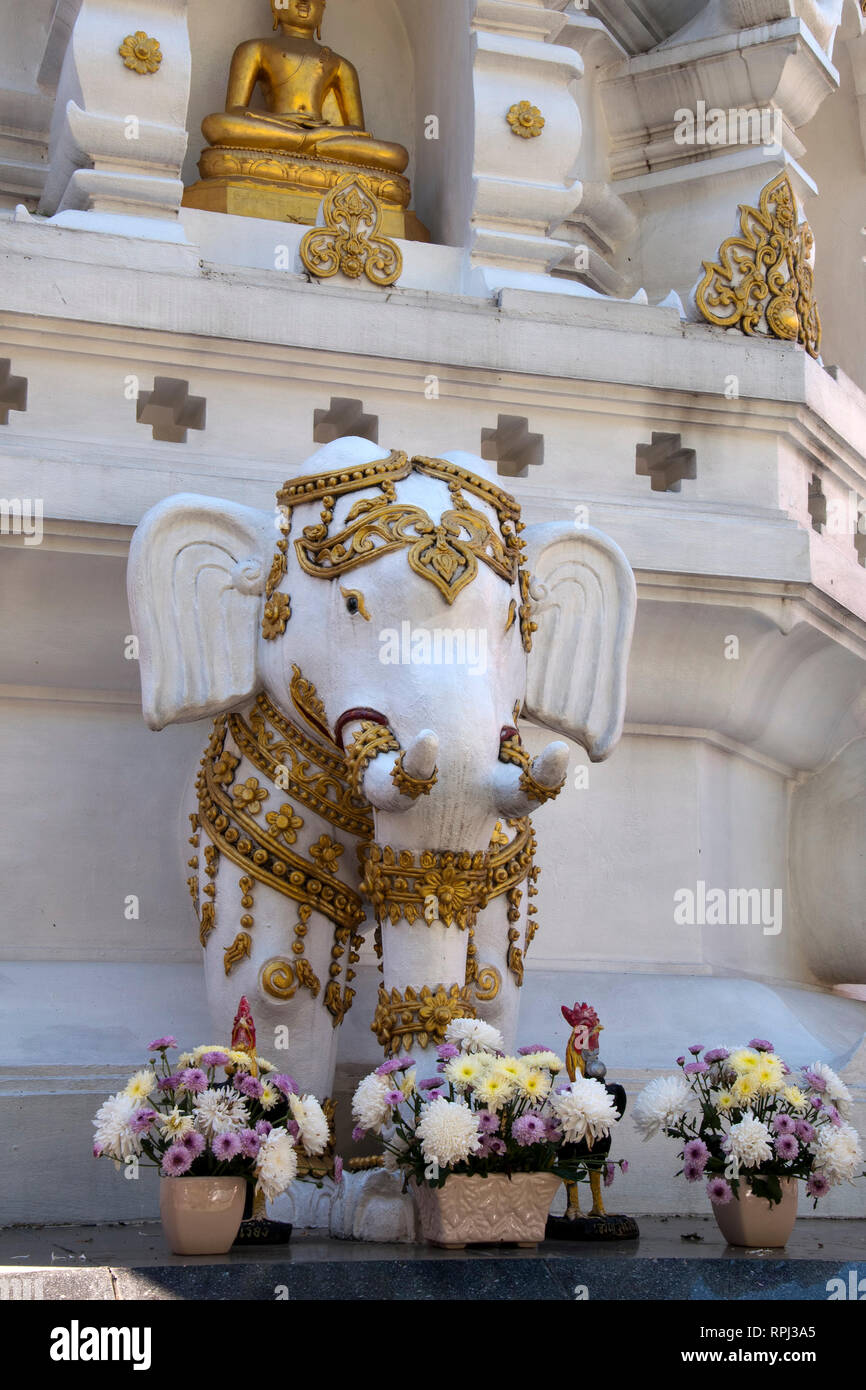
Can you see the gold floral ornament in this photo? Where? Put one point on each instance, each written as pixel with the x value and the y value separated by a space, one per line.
pixel 278 610
pixel 763 280
pixel 140 53
pixel 350 239
pixel 419 1016
pixel 525 120
pixel 248 796
pixel 284 822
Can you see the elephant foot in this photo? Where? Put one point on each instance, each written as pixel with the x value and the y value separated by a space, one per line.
pixel 371 1206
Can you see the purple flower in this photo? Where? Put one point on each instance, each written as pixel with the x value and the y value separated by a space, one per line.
pixel 392 1064
pixel 609 1174
pixel 760 1044
pixel 168 1083
pixel 817 1186
pixel 832 1113
pixel 695 1068
pixel 160 1044
pixel 786 1147
pixel 263 1127
pixel 805 1131
pixel 816 1082
pixel 176 1160
pixel 404 1064
pixel 435 1095
pixel 783 1124
pixel 693 1170
pixel 226 1146
pixel 488 1122
pixel 430 1083
pixel 358 1133
pixel 287 1084
pixel 193 1079
pixel 393 1098
pixel 696 1151
pixel 536 1047
pixel 293 1128
pixel 97 1150
pixel 250 1142
pixel 446 1051
pixel 338 1169
pixel 623 1167
pixel 193 1141
pixel 528 1129
pixel 680 1061
pixel 251 1086
pixel 719 1191
pixel 696 1048
pixel 490 1144
pixel 716 1054
pixel 214 1059
pixel 142 1120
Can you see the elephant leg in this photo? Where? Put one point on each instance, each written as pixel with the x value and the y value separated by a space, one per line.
pixel 416 961
pixel 498 967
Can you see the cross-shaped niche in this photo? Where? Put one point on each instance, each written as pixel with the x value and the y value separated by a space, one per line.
pixel 817 504
pixel 13 391
pixel 512 447
pixel 342 419
pixel 665 462
pixel 170 410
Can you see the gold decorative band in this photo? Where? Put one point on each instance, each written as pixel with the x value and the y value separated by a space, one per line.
pixel 419 1017
pixel 318 485
pixel 536 790
pixel 371 739
pixel 450 885
pixel 412 787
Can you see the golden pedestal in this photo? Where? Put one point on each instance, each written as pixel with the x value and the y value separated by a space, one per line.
pixel 286 188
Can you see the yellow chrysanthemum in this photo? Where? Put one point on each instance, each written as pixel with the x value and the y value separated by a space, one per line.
pixel 511 1066
pixel 743 1089
pixel 495 1089
pixel 175 1123
pixel 744 1059
pixel 269 1097
pixel 139 1086
pixel 407 1085
pixel 795 1097
pixel 724 1100
pixel 198 1052
pixel 535 1084
pixel 463 1071
pixel 768 1076
pixel 185 1059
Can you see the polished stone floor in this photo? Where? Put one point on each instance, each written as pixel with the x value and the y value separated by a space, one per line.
pixel 674 1258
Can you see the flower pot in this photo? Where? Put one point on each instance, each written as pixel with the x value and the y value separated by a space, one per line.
pixel 753 1221
pixel 476 1210
pixel 201 1216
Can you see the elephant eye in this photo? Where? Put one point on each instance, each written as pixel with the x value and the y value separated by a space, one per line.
pixel 355 602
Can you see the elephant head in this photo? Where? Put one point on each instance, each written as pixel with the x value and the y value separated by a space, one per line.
pixel 393 616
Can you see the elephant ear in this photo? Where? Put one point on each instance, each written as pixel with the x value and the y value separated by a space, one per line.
pixel 584 601
pixel 197 569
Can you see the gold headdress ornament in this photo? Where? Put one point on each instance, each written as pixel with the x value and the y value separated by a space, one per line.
pixel 445 552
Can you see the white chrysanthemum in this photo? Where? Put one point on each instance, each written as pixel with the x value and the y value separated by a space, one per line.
pixel 494 1089
pixel 750 1141
pixel 548 1060
pixel 662 1103
pixel 448 1131
pixel 836 1090
pixel 270 1096
pixel 175 1123
pixel 112 1134
pixel 312 1126
pixel 186 1059
pixel 474 1035
pixel 276 1164
pixel 217 1112
pixel 370 1109
pixel 140 1086
pixel 585 1110
pixel 838 1153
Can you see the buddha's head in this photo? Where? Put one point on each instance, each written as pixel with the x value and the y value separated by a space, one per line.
pixel 304 15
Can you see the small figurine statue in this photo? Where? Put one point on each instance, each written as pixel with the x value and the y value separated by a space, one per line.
pixel 581 1056
pixel 279 163
pixel 244 1034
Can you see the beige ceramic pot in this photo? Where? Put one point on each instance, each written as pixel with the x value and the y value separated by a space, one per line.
pixel 201 1216
pixel 753 1221
pixel 476 1210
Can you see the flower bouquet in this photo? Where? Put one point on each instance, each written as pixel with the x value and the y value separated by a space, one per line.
pixel 486 1140
pixel 751 1128
pixel 219 1116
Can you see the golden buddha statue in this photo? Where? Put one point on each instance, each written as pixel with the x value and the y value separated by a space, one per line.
pixel 279 163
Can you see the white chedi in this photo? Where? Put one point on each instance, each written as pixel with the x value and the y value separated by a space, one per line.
pixel 370 1109
pixel 312 1125
pixel 838 1153
pixel 276 1164
pixel 448 1131
pixel 750 1141
pixel 585 1110
pixel 661 1103
pixel 112 1133
pixel 474 1035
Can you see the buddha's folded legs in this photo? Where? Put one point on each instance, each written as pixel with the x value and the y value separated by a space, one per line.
pixel 326 142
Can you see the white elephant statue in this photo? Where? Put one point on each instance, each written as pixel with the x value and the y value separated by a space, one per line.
pixel 366 649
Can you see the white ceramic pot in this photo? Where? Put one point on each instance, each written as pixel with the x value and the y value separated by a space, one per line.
pixel 477 1210
pixel 755 1222
pixel 201 1216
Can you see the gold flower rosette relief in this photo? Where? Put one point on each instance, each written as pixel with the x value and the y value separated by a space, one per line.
pixel 764 276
